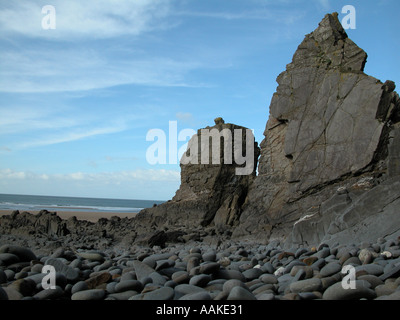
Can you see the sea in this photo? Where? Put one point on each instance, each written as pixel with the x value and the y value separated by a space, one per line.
pixel 77 204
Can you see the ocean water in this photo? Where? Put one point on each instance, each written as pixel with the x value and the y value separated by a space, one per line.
pixel 51 203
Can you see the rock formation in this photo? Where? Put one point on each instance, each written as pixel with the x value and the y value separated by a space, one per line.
pixel 210 193
pixel 329 162
pixel 329 170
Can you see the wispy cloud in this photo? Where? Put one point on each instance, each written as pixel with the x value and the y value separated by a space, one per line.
pixel 69 136
pixel 26 127
pixel 100 177
pixel 63 70
pixel 84 19
pixel 279 16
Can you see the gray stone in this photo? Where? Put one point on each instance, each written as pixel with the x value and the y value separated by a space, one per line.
pixel 373 280
pixel 164 293
pixel 92 255
pixel 196 296
pixel 110 287
pixel 210 256
pixel 157 278
pixel 104 266
pixel 26 287
pixel 230 284
pixel 330 269
pixel 8 258
pixel 122 295
pixel 49 294
pixel 337 292
pixel 70 273
pixel 92 294
pixel 161 264
pixel 394 272
pixel 230 274
pixel 182 289
pixel 24 254
pixel 10 274
pixel 308 285
pixel 268 279
pixel 12 293
pixel 142 270
pixel 386 289
pixel 209 267
pixel 372 269
pixel 180 277
pixel 393 296
pixel 79 286
pixel 240 293
pixel 200 280
pixel 252 273
pixel 266 296
pixel 127 285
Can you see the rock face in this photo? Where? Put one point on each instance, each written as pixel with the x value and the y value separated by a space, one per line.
pixel 330 158
pixel 211 193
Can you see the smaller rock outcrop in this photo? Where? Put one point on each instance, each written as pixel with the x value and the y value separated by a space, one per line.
pixel 213 187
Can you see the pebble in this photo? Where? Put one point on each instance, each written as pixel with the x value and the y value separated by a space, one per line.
pixel 330 269
pixel 393 272
pixel 129 285
pixel 230 284
pixel 337 292
pixel 79 286
pixel 92 256
pixel 23 254
pixel 49 294
pixel 240 293
pixel 164 293
pixel 70 273
pixel 196 296
pixel 142 270
pixel 308 285
pixel 252 274
pixel 200 280
pixel 92 294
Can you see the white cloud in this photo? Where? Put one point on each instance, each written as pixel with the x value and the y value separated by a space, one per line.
pixel 82 69
pixel 69 136
pixel 137 184
pixel 28 127
pixel 19 119
pixel 116 178
pixel 82 19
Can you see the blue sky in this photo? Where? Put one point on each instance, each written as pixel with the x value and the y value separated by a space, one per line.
pixel 77 102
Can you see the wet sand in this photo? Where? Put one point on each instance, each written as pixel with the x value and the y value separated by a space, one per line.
pixel 80 215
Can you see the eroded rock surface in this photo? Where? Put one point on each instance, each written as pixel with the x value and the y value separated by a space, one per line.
pixel 331 127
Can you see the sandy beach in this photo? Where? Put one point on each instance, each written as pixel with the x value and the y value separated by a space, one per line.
pixel 80 215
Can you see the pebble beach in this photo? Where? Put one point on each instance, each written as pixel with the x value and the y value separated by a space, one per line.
pixel 233 271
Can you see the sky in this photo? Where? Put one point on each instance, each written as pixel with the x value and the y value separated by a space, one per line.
pixel 81 86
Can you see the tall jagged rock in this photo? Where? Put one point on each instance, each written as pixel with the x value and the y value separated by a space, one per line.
pixel 331 127
pixel 211 193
